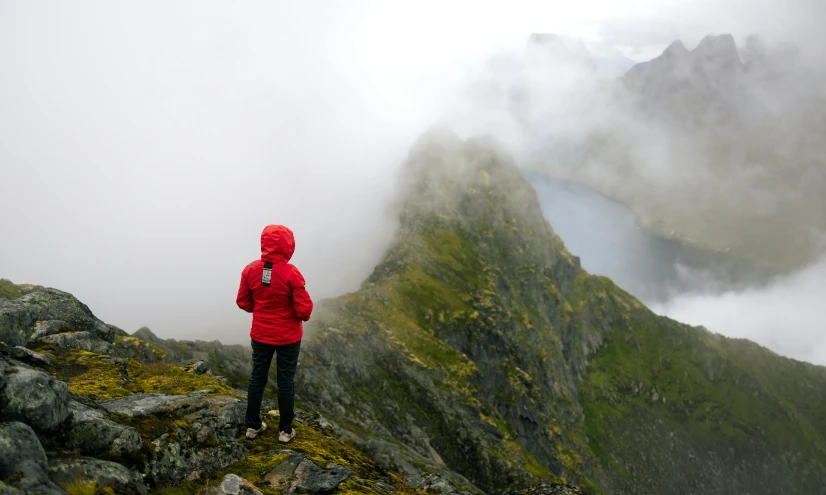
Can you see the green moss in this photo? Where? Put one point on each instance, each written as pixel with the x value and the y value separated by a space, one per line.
pixel 263 456
pixel 135 347
pixel 172 379
pixel 87 487
pixel 81 488
pixel 711 389
pixel 9 290
pixel 100 377
pixel 533 466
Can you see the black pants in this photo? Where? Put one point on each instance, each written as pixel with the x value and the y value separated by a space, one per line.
pixel 286 361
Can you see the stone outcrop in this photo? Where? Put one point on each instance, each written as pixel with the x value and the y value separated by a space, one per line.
pixel 297 474
pixel 99 475
pixel 233 484
pixel 19 317
pixel 23 460
pixel 32 396
pixel 93 433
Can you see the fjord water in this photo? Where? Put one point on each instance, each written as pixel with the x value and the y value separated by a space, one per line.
pixel 610 241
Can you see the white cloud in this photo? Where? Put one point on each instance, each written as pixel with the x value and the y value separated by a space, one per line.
pixel 145 145
pixel 787 316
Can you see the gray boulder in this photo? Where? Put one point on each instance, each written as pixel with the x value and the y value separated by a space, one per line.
pixel 85 341
pixel 143 404
pixel 23 460
pixel 209 444
pixel 435 484
pixel 92 433
pixel 50 327
pixel 297 474
pixel 100 474
pixel 177 456
pixel 19 444
pixel 198 367
pixel 27 355
pixel 33 397
pixel 18 317
pixel 234 485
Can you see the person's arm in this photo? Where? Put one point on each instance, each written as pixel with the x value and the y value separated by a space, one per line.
pixel 245 300
pixel 302 303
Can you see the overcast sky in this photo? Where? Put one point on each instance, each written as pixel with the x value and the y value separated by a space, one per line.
pixel 146 144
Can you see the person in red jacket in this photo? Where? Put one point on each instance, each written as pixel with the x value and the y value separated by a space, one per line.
pixel 273 290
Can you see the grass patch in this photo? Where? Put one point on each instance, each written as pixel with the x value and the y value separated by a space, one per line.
pixel 9 290
pixel 88 487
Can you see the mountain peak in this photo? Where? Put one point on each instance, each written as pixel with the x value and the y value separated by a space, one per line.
pixel 720 47
pixel 676 49
pixel 458 182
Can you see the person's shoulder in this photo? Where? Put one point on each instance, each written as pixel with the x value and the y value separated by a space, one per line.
pixel 252 264
pixel 294 270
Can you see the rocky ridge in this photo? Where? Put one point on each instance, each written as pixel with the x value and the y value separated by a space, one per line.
pixel 89 409
pixel 481 346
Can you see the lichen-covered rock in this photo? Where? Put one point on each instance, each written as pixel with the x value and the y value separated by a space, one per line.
pixel 31 357
pixel 100 475
pixel 50 327
pixel 18 444
pixel 33 397
pixel 297 474
pixel 91 432
pixel 19 317
pixel 27 355
pixel 85 341
pixel 144 404
pixel 233 485
pixel 136 348
pixel 197 367
pixel 23 462
pixel 434 484
pixel 209 443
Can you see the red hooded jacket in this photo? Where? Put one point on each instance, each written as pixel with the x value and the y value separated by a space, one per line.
pixel 278 309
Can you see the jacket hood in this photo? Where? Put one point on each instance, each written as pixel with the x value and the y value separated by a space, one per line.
pixel 277 244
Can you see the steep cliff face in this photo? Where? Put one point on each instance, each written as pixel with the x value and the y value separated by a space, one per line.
pixel 482 346
pixel 461 338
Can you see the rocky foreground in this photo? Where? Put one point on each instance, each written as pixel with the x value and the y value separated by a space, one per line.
pixel 88 409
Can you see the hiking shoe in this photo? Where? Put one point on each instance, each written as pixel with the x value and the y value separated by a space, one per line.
pixel 252 433
pixel 286 437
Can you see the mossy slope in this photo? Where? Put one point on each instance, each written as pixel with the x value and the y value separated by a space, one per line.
pixel 481 339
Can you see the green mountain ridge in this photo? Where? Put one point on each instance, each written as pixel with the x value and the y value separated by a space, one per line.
pixel 480 335
pixel 478 350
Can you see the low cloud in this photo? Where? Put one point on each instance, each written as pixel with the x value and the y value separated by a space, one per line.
pixel 787 316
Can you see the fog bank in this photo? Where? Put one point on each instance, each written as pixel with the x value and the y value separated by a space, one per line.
pixel 786 317
pixel 146 145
